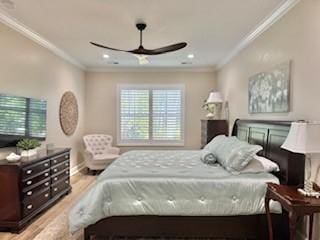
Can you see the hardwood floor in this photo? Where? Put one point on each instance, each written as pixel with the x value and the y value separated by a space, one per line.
pixel 79 183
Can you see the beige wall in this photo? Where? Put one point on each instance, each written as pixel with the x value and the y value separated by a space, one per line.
pixel 26 69
pixel 101 105
pixel 295 37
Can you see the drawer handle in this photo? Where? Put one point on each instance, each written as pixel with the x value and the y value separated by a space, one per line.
pixel 55 170
pixel 46 174
pixel 46 195
pixel 66 164
pixel 46 164
pixel 66 156
pixel 55 161
pixel 67 172
pixel 29 193
pixel 29 206
pixel 55 179
pixel 29 171
pixel 66 181
pixel 29 182
pixel 46 184
pixel 55 189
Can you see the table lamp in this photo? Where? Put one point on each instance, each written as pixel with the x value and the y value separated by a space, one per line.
pixel 213 105
pixel 304 137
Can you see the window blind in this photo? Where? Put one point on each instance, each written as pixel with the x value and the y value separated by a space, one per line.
pixel 37 118
pixel 134 114
pixel 21 116
pixel 150 115
pixel 166 114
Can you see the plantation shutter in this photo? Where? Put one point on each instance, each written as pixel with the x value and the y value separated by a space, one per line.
pixel 13 115
pixel 134 114
pixel 167 114
pixel 37 118
pixel 22 116
pixel 150 115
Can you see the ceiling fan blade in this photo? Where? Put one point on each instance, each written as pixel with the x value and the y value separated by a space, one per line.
pixel 102 46
pixel 142 51
pixel 157 51
pixel 142 59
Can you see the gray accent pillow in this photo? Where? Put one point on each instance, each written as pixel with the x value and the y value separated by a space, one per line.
pixel 232 153
pixel 207 157
pixel 215 143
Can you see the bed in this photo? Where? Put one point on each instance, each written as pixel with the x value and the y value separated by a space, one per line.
pixel 169 194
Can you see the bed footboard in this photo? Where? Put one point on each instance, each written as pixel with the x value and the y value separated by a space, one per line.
pixel 230 227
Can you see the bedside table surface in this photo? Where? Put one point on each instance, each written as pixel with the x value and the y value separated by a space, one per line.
pixel 295 203
pixel 292 196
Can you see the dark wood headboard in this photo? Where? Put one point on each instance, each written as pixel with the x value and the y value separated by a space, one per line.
pixel 271 135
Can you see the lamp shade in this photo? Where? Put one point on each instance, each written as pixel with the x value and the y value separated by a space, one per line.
pixel 303 137
pixel 215 97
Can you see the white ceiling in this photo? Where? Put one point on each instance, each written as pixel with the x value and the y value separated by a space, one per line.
pixel 212 28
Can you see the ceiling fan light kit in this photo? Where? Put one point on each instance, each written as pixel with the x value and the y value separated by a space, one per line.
pixel 141 53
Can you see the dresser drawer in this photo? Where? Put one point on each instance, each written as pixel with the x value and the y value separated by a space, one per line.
pixel 31 170
pixel 60 186
pixel 59 176
pixel 59 159
pixel 31 182
pixel 61 167
pixel 37 201
pixel 31 192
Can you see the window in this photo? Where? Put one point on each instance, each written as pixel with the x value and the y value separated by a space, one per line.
pixel 150 115
pixel 20 116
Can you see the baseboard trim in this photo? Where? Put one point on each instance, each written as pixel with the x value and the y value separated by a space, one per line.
pixel 74 170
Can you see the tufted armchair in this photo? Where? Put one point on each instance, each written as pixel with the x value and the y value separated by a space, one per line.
pixel 99 153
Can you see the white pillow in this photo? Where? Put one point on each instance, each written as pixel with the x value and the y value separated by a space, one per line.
pixel 260 164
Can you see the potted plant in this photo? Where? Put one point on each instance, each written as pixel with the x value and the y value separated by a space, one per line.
pixel 28 147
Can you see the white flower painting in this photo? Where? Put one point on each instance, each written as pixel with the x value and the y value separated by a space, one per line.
pixel 269 91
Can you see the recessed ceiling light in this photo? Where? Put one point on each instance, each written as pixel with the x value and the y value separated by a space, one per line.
pixel 190 56
pixel 106 56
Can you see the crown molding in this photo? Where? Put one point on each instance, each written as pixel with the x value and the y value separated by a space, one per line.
pixel 276 15
pixel 151 69
pixel 32 35
pixel 261 28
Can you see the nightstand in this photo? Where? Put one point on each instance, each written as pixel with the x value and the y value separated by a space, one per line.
pixel 294 203
pixel 212 128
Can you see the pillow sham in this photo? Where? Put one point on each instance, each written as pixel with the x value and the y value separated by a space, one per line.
pixel 215 143
pixel 260 164
pixel 232 153
pixel 207 157
pixel 240 156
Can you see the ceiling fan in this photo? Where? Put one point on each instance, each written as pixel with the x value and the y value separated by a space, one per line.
pixel 141 53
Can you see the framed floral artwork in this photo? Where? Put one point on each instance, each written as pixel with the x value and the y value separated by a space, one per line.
pixel 269 91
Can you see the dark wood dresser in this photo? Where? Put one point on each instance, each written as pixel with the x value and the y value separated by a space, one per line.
pixel 212 128
pixel 32 185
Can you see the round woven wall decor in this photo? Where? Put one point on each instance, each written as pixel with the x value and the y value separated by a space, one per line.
pixel 68 113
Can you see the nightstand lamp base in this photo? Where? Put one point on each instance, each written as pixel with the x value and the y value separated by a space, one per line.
pixel 308 190
pixel 309 193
